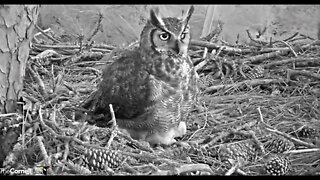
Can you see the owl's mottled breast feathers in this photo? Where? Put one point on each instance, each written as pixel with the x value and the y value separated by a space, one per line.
pixel 151 87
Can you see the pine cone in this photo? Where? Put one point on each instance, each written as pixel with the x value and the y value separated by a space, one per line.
pixel 254 72
pixel 278 144
pixel 307 132
pixel 101 159
pixel 244 151
pixel 277 165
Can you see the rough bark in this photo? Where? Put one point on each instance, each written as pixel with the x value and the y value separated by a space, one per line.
pixel 16 26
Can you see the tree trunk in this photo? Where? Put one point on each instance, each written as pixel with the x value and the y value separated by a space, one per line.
pixel 16 26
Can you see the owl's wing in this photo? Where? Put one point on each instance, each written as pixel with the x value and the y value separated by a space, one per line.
pixel 124 85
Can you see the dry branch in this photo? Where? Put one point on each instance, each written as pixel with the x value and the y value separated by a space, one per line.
pixel 233 169
pixel 271 129
pixel 291 37
pixel 64 46
pixel 54 134
pixel 225 134
pixel 255 40
pixel 262 57
pixel 290 47
pixel 194 167
pixel 202 64
pixel 297 141
pixel 44 153
pixel 114 127
pixel 254 82
pixel 216 46
pixel 69 48
pixel 292 73
pixel 97 28
pixel 48 36
pixel 38 80
pixel 293 60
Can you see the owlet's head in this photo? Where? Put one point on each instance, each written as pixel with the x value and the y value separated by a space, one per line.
pixel 166 34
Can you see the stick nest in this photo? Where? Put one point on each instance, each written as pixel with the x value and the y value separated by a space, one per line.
pixel 257 101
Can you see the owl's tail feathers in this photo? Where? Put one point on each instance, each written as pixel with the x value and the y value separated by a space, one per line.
pixel 94 115
pixel 88 103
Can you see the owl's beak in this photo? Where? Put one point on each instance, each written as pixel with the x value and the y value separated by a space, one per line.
pixel 176 46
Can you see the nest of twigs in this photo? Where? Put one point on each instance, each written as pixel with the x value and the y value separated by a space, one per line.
pixel 257 101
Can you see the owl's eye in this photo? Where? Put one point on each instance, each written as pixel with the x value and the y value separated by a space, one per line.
pixel 164 36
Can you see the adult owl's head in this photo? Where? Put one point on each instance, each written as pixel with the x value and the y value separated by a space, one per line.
pixel 168 34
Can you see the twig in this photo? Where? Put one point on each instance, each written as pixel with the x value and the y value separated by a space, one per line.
pixel 290 47
pixel 302 151
pixel 291 37
pixel 53 117
pixel 75 167
pixel 253 82
pixel 98 27
pixel 62 51
pixel 232 169
pixel 216 46
pixel 303 73
pixel 114 127
pixel 37 34
pixel 251 134
pixel 45 54
pixel 225 134
pixel 201 64
pixel 104 48
pixel 23 130
pixel 38 80
pixel 48 36
pixel 66 151
pixel 195 53
pixel 307 37
pixel 292 60
pixel 54 134
pixel 218 52
pixel 261 118
pixel 46 30
pixel 30 98
pixel 193 167
pixel 261 57
pixel 87 63
pixel 203 127
pixel 135 142
pixel 292 138
pixel 205 52
pixel 74 90
pixel 309 46
pixel 144 156
pixel 9 114
pixel 80 39
pixel 255 40
pixel 44 153
pixel 241 172
pixel 271 129
pixel 272 49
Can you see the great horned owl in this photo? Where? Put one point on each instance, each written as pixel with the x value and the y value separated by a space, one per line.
pixel 151 87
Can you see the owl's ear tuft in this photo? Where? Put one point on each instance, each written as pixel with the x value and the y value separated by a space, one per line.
pixel 185 17
pixel 155 18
